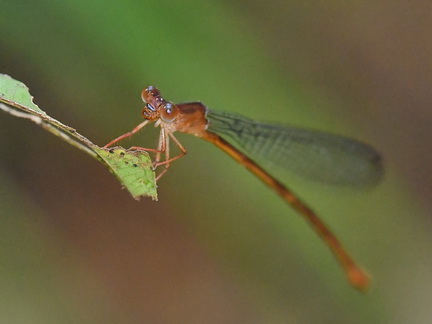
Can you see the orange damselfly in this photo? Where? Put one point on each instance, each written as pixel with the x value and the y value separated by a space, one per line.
pixel 317 155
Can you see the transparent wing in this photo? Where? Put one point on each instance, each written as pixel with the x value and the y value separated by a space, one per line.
pixel 312 154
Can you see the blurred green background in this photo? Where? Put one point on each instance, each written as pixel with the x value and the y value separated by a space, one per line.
pixel 218 246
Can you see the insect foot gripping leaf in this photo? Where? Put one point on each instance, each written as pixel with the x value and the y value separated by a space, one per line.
pixel 132 168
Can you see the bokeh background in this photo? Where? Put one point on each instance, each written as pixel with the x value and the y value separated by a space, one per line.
pixel 218 246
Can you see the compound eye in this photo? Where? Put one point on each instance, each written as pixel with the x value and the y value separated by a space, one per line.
pixel 169 108
pixel 153 91
pixel 150 93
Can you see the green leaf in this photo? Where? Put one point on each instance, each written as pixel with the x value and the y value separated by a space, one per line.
pixel 12 90
pixel 132 168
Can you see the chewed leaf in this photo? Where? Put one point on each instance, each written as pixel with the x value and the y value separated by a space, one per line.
pixel 17 92
pixel 132 168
